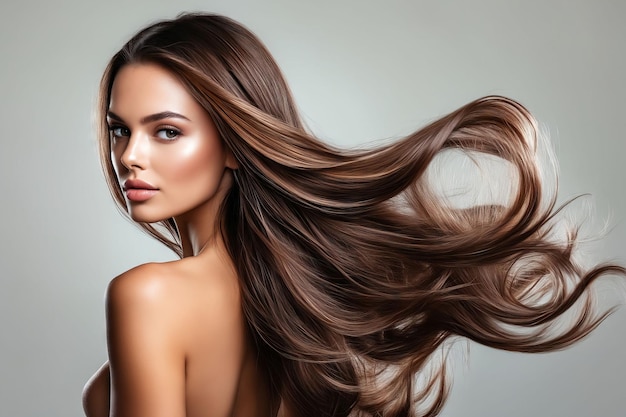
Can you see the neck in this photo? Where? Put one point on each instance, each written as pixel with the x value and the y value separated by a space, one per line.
pixel 199 228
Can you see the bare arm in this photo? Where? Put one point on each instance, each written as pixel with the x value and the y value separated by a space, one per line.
pixel 154 323
pixel 146 357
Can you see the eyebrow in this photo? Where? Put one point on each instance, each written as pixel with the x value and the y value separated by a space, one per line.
pixel 150 118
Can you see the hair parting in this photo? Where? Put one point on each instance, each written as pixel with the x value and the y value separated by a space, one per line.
pixel 354 272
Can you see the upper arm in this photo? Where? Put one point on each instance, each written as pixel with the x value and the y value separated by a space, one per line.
pixel 146 353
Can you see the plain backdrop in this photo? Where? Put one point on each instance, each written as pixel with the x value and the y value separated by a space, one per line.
pixel 360 71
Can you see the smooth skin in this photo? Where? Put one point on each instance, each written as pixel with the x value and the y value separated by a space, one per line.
pixel 177 339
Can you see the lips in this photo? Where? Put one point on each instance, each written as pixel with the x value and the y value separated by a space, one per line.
pixel 138 184
pixel 137 190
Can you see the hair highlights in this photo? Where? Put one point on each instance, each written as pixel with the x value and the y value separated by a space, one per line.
pixel 353 271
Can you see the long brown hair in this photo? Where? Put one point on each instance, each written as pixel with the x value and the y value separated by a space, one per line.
pixel 353 271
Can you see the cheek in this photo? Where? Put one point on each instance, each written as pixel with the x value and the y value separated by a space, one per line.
pixel 191 161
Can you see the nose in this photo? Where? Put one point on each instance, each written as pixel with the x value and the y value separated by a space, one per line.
pixel 135 154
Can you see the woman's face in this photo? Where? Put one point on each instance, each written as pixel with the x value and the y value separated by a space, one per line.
pixel 167 153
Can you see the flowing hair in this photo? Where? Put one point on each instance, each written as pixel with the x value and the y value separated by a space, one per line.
pixel 353 270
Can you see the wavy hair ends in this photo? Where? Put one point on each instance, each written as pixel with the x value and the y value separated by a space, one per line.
pixel 354 271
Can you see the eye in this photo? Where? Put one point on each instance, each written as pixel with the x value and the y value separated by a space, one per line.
pixel 119 132
pixel 168 133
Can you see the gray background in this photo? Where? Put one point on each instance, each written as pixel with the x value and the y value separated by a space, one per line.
pixel 360 70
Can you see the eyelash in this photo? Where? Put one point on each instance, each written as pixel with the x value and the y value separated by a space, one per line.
pixel 166 129
pixel 113 128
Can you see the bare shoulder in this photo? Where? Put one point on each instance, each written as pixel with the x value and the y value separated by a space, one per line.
pixel 149 293
pixel 145 283
pixel 174 292
pixel 155 314
pixel 153 281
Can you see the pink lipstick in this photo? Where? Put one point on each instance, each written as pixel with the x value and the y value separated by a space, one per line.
pixel 137 190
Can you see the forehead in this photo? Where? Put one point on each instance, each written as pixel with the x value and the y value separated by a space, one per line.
pixel 141 89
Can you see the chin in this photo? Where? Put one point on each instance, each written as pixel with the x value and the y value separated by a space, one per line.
pixel 139 217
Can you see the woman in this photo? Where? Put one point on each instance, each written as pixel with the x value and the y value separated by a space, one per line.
pixel 312 281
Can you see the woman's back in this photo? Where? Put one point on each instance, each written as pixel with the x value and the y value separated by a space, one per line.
pixel 346 267
pixel 188 312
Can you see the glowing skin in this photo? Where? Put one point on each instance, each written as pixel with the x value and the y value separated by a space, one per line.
pixel 162 137
pixel 177 339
